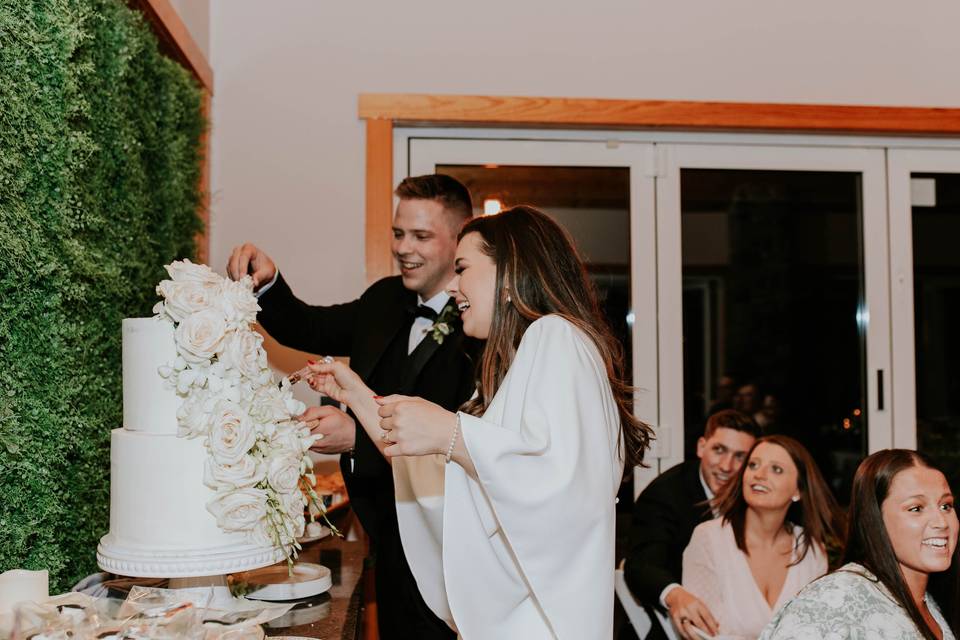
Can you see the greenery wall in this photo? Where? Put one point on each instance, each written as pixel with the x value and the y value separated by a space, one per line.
pixel 99 168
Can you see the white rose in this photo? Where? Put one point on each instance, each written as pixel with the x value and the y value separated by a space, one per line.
pixel 242 350
pixel 245 473
pixel 264 535
pixel 288 439
pixel 193 416
pixel 268 405
pixel 186 271
pixel 238 510
pixel 237 301
pixel 183 298
pixel 200 335
pixel 232 433
pixel 283 473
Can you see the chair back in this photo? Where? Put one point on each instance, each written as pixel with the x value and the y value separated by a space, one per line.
pixel 636 614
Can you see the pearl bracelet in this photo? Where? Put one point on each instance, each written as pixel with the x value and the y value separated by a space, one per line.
pixel 453 440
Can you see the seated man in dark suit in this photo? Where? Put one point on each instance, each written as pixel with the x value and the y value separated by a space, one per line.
pixel 667 511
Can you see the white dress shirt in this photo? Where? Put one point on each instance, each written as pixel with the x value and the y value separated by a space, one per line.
pixel 421 326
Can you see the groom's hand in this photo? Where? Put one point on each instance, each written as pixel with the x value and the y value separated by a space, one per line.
pixel 339 430
pixel 247 258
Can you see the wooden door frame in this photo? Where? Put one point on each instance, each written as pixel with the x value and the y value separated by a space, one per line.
pixel 384 111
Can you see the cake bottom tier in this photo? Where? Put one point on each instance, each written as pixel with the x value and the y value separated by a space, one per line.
pixel 159 523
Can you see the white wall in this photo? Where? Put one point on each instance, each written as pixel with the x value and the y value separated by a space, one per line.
pixel 288 149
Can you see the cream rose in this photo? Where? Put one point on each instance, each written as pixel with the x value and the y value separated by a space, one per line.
pixel 232 433
pixel 237 302
pixel 186 271
pixel 287 439
pixel 184 298
pixel 242 351
pixel 193 417
pixel 268 405
pixel 263 534
pixel 245 473
pixel 284 472
pixel 238 510
pixel 200 335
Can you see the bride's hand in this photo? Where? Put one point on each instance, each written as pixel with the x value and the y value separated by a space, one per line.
pixel 414 426
pixel 338 381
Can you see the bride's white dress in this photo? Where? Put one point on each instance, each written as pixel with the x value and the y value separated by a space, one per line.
pixel 528 551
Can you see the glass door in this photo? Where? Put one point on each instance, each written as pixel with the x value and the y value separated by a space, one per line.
pixel 773 297
pixel 754 277
pixel 603 194
pixel 925 269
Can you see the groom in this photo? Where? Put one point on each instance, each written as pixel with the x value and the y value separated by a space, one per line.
pixel 391 334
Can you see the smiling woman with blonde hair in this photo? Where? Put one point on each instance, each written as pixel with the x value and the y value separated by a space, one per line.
pixel 515 537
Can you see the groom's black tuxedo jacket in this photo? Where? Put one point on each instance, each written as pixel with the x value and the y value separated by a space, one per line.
pixel 374 331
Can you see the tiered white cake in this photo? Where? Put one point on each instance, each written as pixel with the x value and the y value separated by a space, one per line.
pixel 159 523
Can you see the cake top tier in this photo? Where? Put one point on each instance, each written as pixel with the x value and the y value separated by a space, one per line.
pixel 149 403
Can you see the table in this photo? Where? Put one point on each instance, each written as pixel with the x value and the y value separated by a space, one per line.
pixel 335 615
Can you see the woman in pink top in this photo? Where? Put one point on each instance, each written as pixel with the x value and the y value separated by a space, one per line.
pixel 769 541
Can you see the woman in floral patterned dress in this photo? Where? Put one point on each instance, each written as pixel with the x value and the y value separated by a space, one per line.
pixel 903 528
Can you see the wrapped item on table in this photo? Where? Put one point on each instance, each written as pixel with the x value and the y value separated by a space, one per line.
pixel 58 617
pixel 221 618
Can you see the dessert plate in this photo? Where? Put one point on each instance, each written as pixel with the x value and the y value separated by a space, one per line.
pixel 276 583
pixel 311 535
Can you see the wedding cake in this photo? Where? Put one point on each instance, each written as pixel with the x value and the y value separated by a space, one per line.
pixel 205 471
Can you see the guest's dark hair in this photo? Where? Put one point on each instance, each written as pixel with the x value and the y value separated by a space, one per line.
pixel 731 419
pixel 447 190
pixel 869 544
pixel 816 511
pixel 537 262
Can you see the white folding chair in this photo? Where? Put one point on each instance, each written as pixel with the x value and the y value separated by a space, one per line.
pixel 636 614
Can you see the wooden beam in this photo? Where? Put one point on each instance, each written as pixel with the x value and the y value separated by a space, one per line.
pixel 379 205
pixel 175 39
pixel 657 114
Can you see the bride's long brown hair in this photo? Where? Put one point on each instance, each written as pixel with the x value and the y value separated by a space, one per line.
pixel 538 267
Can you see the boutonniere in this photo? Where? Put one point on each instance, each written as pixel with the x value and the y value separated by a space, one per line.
pixel 443 326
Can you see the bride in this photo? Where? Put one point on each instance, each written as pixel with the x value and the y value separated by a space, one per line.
pixel 506 507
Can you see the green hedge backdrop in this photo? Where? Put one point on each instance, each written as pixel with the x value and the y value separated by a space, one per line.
pixel 100 156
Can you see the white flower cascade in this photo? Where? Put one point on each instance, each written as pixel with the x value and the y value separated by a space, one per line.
pixel 257 451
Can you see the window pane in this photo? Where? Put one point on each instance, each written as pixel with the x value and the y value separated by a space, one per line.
pixel 773 281
pixel 936 301
pixel 592 203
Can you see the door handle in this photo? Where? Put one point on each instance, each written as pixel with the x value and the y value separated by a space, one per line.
pixel 879 389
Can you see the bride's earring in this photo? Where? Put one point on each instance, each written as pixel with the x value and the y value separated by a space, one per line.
pixel 508 299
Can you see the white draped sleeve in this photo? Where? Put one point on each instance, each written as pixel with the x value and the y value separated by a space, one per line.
pixel 528 551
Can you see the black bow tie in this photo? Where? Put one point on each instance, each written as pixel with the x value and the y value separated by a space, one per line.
pixel 423 311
